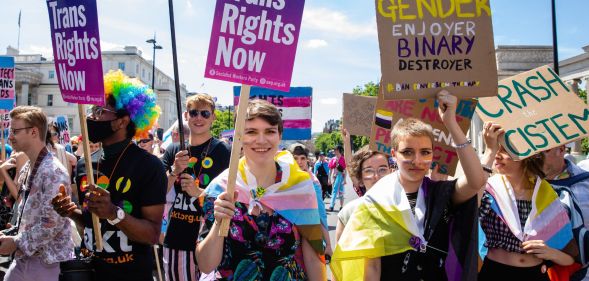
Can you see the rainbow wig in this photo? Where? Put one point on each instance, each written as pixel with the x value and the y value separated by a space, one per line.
pixel 138 100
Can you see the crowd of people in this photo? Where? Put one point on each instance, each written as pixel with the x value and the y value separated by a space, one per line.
pixel 525 219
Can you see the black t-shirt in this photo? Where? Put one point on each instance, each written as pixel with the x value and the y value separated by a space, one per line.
pixel 184 223
pixel 413 265
pixel 138 181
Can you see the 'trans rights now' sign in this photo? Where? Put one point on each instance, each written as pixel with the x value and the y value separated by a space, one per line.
pixel 254 42
pixel 76 50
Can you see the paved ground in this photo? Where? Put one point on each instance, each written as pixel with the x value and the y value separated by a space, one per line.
pixel 349 194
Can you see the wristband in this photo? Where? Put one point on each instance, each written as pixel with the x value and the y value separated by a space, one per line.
pixel 463 145
pixel 487 169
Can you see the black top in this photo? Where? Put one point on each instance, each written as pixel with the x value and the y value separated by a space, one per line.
pixel 138 181
pixel 413 265
pixel 212 158
pixel 497 233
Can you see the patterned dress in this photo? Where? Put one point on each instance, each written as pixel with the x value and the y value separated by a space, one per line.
pixel 263 247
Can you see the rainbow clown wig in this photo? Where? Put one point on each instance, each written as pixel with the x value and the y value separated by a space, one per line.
pixel 138 100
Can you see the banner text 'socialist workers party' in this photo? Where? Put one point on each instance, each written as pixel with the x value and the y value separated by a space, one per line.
pixel 255 43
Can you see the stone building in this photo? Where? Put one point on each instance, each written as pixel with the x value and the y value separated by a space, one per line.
pixel 36 83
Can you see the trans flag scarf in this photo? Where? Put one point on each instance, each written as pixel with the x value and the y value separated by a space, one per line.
pixel 293 197
pixel 548 220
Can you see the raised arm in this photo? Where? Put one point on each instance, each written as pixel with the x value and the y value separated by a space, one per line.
pixel 474 177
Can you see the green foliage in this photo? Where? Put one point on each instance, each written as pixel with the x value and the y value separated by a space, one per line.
pixel 583 95
pixel 369 89
pixel 359 141
pixel 327 141
pixel 223 122
pixel 585 143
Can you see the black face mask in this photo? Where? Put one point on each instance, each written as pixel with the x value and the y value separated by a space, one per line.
pixel 99 130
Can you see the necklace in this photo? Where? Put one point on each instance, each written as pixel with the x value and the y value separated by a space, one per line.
pixel 114 168
pixel 521 194
pixel 193 160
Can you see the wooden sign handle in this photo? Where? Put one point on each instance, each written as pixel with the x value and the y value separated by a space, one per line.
pixel 244 96
pixel 89 171
pixel 3 143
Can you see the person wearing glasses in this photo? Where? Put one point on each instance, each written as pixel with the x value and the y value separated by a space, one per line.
pixel 402 228
pixel 146 143
pixel 367 167
pixel 189 172
pixel 41 238
pixel 130 189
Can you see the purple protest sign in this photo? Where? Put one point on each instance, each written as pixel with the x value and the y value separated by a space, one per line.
pixel 76 50
pixel 255 44
pixel 7 82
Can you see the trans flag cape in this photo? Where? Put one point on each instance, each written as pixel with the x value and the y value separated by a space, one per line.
pixel 548 220
pixel 293 197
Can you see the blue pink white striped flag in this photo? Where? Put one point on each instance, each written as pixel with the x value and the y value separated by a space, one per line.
pixel 296 107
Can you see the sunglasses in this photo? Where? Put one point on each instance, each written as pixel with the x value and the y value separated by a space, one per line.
pixel 195 112
pixel 144 140
pixel 97 111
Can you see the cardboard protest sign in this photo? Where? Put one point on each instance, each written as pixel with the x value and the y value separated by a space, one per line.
pixel 537 110
pixel 7 82
pixel 76 50
pixel 358 114
pixel 388 113
pixel 295 107
pixel 429 45
pixel 255 44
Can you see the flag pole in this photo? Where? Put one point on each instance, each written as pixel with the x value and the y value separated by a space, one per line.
pixel 176 75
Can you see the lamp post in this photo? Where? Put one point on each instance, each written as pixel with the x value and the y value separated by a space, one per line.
pixel 155 47
pixel 554 38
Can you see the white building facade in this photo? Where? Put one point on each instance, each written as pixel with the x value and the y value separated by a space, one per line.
pixel 36 84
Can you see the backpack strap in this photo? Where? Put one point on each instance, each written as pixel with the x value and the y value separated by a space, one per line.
pixel 571 180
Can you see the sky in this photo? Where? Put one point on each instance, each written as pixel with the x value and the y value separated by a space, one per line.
pixel 338 44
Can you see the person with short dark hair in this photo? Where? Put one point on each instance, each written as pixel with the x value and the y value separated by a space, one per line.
pixel 129 193
pixel 275 230
pixel 42 239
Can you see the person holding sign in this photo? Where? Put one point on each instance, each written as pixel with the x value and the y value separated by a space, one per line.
pixel 527 228
pixel 130 189
pixel 409 227
pixel 275 231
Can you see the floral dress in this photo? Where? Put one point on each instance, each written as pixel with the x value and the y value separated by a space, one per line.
pixel 263 247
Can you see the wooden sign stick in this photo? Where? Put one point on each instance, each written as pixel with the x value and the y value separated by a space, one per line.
pixel 244 97
pixel 89 171
pixel 3 143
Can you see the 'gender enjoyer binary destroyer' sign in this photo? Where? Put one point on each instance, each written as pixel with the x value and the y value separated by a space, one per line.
pixel 254 42
pixel 427 45
pixel 76 50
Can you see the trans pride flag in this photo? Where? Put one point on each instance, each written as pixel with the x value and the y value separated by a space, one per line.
pixel 295 106
pixel 293 197
pixel 548 220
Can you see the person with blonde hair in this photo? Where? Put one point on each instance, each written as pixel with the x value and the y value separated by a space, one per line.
pixel 275 231
pixel 526 226
pixel 409 227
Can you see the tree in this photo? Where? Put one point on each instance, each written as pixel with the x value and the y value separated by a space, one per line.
pixel 223 122
pixel 369 89
pixel 327 141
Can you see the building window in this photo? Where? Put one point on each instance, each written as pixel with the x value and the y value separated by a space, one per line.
pixel 70 120
pixel 51 74
pixel 143 73
pixel 49 100
pixel 30 99
pixel 122 66
pixel 137 68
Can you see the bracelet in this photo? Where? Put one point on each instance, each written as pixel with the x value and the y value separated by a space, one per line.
pixel 173 174
pixel 487 169
pixel 463 145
